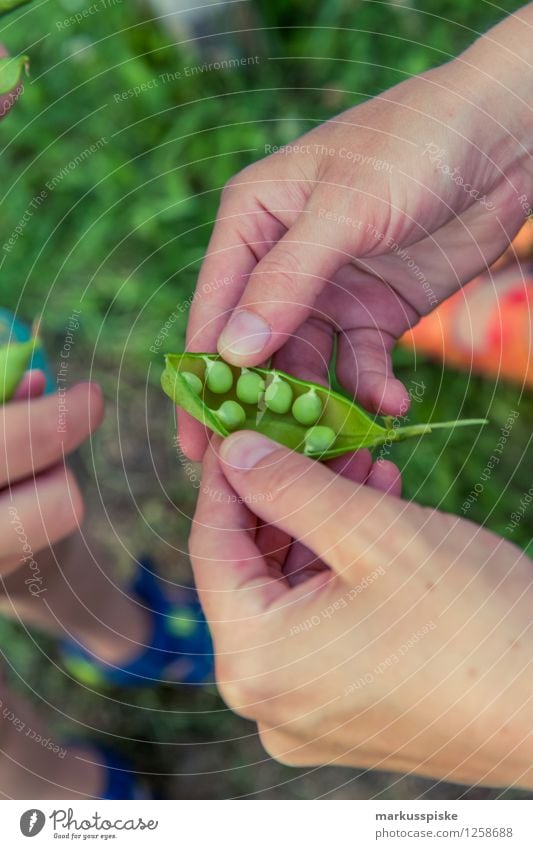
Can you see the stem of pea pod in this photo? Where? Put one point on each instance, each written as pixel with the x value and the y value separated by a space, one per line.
pixel 399 433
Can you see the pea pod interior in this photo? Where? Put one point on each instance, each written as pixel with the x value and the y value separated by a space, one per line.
pixel 352 426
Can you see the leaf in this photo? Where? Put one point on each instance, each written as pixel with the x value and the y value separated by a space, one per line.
pixel 11 68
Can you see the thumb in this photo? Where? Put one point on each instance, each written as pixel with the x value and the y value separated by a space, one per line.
pixel 280 293
pixel 347 525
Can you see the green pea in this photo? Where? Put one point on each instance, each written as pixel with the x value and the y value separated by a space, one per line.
pixel 219 376
pixel 193 381
pixel 278 396
pixel 318 439
pixel 307 408
pixel 250 387
pixel 232 415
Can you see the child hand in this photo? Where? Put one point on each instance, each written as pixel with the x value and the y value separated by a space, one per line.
pixel 40 502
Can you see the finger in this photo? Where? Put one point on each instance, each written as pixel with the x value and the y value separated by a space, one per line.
pixel 364 367
pixel 342 523
pixel 32 385
pixel 243 232
pixel 228 567
pixel 302 563
pixel 354 467
pixel 36 514
pixel 38 433
pixel 386 477
pixel 281 292
pixel 307 353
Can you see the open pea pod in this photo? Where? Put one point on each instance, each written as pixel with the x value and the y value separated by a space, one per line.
pixel 302 415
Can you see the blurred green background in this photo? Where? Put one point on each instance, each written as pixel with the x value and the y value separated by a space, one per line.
pixel 121 236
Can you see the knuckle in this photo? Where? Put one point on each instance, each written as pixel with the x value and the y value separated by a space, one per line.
pixel 278 480
pixel 279 746
pixel 282 268
pixel 237 183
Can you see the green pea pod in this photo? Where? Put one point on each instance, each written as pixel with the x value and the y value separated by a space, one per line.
pixel 11 69
pixel 14 360
pixel 351 426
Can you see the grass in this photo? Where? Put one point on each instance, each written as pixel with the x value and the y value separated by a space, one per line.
pixel 120 235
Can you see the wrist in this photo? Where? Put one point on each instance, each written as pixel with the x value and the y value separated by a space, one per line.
pixel 495 76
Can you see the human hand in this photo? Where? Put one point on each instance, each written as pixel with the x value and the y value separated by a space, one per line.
pixel 365 224
pixel 40 502
pixel 399 638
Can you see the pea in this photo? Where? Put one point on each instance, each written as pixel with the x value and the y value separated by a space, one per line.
pixel 193 382
pixel 278 396
pixel 232 415
pixel 318 439
pixel 219 376
pixel 250 387
pixel 309 418
pixel 307 408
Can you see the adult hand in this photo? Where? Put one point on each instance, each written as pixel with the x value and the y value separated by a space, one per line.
pixel 390 636
pixel 40 502
pixel 368 222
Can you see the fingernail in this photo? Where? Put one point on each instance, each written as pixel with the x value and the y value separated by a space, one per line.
pixel 246 333
pixel 244 450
